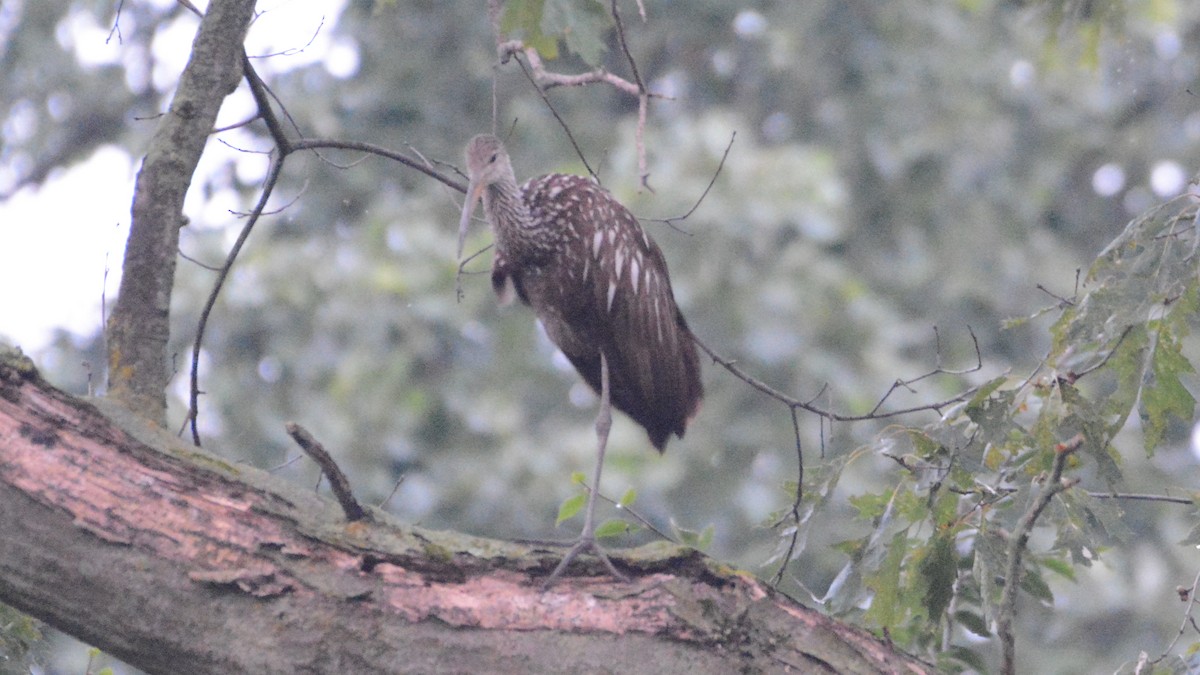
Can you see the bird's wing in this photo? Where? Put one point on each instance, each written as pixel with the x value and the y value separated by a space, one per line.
pixel 607 289
pixel 653 365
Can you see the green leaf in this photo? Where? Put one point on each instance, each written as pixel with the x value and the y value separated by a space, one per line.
pixel 628 498
pixel 1147 269
pixel 582 24
pixel 938 570
pixel 697 540
pixel 1059 566
pixel 991 557
pixel 885 609
pixel 985 391
pixel 1164 396
pixel 579 478
pixel 870 506
pixel 612 528
pixel 524 18
pixel 1033 584
pixel 569 508
pixel 962 654
pixel 972 622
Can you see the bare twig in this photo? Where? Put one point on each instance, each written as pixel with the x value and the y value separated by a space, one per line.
pixel 395 488
pixel 116 27
pixel 237 125
pixel 314 144
pixel 337 480
pixel 1074 376
pixel 1187 618
pixel 462 269
pixel 793 402
pixel 636 516
pixel 290 51
pixel 549 80
pixel 544 80
pixel 286 464
pixel 1134 497
pixel 561 122
pixel 794 513
pixel 210 268
pixel 937 370
pixel 712 181
pixel 1062 302
pixel 642 94
pixel 194 398
pixel 283 147
pixel 825 414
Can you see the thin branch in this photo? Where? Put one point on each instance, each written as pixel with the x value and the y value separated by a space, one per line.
pixel 1134 497
pixel 1187 618
pixel 643 98
pixel 116 27
pixel 283 147
pixel 790 401
pixel 237 125
pixel 258 89
pixel 337 480
pixel 545 79
pixel 712 181
pixel 197 263
pixel 938 369
pixel 794 540
pixel 194 397
pixel 458 289
pixel 561 122
pixel 395 489
pixel 313 144
pixel 824 414
pixel 1073 376
pixel 636 516
pixel 1018 541
pixel 291 51
pixel 1062 302
pixel 286 464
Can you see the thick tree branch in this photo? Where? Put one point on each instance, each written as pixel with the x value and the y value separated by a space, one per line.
pixel 139 327
pixel 176 560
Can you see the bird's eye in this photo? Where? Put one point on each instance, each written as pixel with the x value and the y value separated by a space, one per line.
pixel 493 158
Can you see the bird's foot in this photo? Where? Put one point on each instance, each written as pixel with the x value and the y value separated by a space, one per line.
pixel 584 544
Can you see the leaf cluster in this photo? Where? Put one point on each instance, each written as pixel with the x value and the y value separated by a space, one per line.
pixel 932 565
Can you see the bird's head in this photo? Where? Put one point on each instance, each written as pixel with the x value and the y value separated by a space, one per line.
pixel 487 164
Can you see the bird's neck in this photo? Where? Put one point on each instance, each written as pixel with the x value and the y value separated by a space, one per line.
pixel 518 235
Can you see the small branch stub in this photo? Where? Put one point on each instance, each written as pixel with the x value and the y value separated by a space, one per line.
pixel 337 480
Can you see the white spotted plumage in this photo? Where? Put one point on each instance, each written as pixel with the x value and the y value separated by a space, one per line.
pixel 599 284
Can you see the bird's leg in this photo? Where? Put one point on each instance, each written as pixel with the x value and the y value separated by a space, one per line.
pixel 587 539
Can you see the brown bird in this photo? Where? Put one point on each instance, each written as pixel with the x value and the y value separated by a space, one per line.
pixel 567 248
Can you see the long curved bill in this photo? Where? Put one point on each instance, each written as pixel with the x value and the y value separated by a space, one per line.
pixel 474 193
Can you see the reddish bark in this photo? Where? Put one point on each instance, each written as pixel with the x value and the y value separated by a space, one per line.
pixel 178 561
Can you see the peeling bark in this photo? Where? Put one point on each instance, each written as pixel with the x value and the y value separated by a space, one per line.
pixel 176 560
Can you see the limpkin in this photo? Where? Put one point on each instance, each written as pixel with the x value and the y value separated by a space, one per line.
pixel 597 282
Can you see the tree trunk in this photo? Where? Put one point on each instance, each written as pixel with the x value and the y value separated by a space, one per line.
pixel 140 324
pixel 176 560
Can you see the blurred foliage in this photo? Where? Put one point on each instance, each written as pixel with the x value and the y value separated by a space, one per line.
pixel 19 639
pixel 940 540
pixel 897 166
